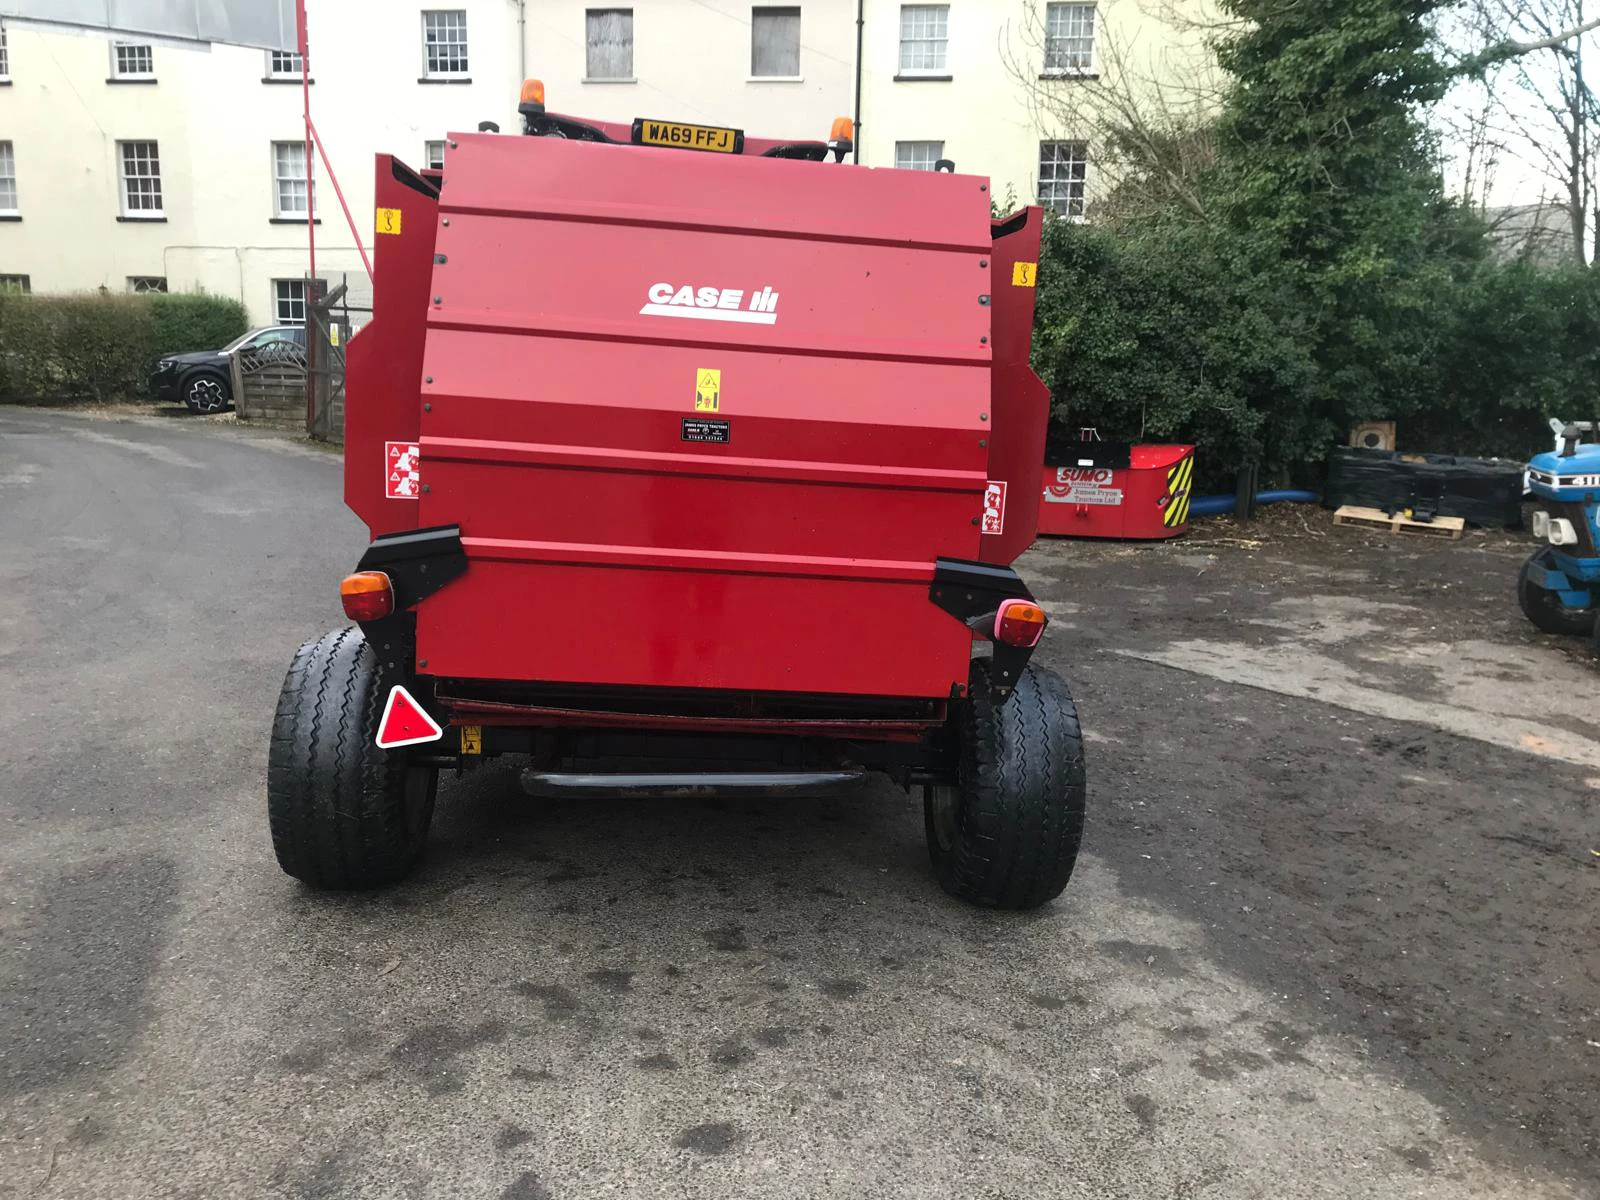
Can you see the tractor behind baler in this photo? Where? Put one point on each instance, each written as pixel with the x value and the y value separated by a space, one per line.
pixel 688 472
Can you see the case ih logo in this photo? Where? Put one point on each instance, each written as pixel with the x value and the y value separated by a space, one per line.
pixel 712 304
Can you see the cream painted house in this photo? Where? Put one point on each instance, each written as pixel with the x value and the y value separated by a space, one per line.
pixel 1002 88
pixel 132 165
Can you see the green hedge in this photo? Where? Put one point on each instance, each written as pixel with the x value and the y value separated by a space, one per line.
pixel 89 347
pixel 1175 333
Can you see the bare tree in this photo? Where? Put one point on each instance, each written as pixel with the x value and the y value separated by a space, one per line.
pixel 1542 99
pixel 1143 106
pixel 1146 111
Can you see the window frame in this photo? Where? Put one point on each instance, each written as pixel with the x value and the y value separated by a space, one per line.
pixel 134 282
pixel 279 298
pixel 130 212
pixel 5 55
pixel 296 69
pixel 773 11
pixel 429 70
pixel 1091 58
pixel 279 213
pixel 8 159
pixel 1076 209
pixel 938 154
pixel 588 46
pixel 940 71
pixel 118 72
pixel 429 163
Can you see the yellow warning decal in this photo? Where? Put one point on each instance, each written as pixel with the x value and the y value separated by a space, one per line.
pixel 388 220
pixel 472 739
pixel 333 335
pixel 1178 479
pixel 1024 274
pixel 707 389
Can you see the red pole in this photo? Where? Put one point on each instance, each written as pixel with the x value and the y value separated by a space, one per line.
pixel 339 195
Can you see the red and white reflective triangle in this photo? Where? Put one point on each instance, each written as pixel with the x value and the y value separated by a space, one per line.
pixel 405 722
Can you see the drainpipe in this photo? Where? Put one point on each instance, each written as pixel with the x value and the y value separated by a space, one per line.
pixel 522 42
pixel 855 128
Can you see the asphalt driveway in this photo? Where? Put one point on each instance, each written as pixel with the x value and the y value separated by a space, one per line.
pixel 1333 934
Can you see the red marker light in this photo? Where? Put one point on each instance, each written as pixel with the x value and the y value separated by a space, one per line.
pixel 1019 623
pixel 366 596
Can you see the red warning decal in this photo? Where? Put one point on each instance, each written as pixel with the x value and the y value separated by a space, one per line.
pixel 405 722
pixel 994 507
pixel 402 477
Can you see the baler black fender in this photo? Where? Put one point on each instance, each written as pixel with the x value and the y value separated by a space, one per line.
pixel 418 563
pixel 972 593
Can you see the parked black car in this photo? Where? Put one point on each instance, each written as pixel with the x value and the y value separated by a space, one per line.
pixel 203 379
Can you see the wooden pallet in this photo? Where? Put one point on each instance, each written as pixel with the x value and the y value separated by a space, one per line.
pixel 1376 518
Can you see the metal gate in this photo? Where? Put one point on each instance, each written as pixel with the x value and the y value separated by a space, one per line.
pixel 328 328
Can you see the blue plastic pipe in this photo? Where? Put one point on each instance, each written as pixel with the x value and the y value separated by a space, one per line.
pixel 1216 506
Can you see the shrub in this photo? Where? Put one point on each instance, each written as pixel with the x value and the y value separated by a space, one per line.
pixel 191 321
pixel 1179 332
pixel 93 347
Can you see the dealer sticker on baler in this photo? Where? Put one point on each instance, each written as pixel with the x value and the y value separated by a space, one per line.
pixel 704 429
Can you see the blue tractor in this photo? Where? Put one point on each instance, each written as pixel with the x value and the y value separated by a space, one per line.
pixel 1560 585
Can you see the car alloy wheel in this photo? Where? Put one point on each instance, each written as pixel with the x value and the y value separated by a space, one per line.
pixel 206 395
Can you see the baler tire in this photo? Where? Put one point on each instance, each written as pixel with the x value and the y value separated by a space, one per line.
pixel 344 814
pixel 1013 836
pixel 1547 612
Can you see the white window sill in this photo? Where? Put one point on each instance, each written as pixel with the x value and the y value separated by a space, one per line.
pixel 609 79
pixel 775 79
pixel 1070 73
pixel 154 218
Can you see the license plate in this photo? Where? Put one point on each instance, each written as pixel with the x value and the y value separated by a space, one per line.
pixel 687 137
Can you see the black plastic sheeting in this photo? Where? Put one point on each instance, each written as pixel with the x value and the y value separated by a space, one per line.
pixel 1060 451
pixel 1483 491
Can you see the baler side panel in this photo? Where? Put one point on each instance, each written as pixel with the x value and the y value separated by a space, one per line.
pixel 383 363
pixel 1019 402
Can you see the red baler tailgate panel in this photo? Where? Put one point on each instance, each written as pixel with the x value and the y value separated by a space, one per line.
pixel 703 421
pixel 589 182
pixel 826 297
pixel 567 622
pixel 675 510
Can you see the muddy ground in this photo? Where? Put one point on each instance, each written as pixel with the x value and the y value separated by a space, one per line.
pixel 1437 894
